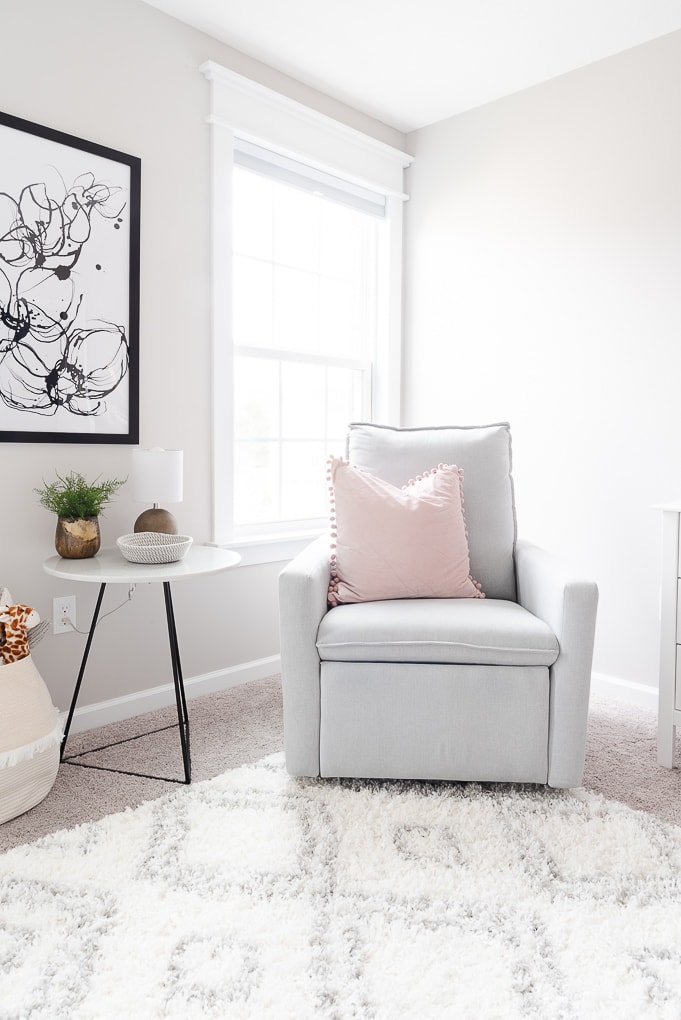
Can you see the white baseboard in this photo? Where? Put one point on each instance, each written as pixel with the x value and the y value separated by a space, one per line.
pixel 624 690
pixel 104 712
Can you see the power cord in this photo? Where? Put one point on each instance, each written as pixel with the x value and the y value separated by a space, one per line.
pixel 131 592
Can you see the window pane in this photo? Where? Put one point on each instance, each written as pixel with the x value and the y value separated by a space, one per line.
pixel 256 398
pixel 304 487
pixel 339 327
pixel 303 401
pixel 345 388
pixel 296 228
pixel 256 483
pixel 253 215
pixel 296 309
pixel 341 240
pixel 252 302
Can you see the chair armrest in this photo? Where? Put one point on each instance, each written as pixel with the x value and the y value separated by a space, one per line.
pixel 303 588
pixel 567 603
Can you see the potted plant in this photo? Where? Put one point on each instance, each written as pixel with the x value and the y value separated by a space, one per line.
pixel 77 504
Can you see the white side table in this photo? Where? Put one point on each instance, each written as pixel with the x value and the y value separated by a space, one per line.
pixel 669 704
pixel 109 566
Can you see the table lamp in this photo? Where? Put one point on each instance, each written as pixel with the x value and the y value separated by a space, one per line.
pixel 156 477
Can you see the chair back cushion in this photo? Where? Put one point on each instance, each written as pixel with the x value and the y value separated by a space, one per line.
pixel 484 453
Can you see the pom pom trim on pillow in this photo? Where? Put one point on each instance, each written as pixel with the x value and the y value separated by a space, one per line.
pixel 392 543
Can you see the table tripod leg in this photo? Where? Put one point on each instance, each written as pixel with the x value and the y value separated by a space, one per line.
pixel 81 671
pixel 182 715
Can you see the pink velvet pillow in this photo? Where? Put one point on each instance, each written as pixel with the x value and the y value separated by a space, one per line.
pixel 390 543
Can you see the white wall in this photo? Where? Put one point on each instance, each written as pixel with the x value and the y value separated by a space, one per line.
pixel 122 74
pixel 544 287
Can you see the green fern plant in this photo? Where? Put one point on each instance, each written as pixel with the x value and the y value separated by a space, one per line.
pixel 75 497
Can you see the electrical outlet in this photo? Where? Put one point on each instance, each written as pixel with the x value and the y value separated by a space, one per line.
pixel 63 614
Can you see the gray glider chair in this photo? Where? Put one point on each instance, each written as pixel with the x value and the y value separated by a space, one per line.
pixel 491 690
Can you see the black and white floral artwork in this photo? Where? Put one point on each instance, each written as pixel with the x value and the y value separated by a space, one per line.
pixel 69 288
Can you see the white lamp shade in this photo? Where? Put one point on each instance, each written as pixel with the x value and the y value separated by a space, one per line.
pixel 156 476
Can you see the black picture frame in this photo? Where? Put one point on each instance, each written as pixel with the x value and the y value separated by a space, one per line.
pixel 69 288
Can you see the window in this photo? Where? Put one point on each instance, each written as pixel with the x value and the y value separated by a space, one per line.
pixel 304 320
pixel 307 217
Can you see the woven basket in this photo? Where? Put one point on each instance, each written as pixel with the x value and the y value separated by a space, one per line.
pixel 153 547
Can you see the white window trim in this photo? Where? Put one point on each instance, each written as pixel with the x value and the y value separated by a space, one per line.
pixel 242 108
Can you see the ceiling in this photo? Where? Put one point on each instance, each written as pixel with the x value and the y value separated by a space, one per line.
pixel 409 63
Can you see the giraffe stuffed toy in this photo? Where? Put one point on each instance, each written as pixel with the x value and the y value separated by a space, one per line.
pixel 30 726
pixel 36 631
pixel 15 622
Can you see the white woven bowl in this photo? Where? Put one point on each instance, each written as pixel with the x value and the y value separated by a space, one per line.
pixel 153 547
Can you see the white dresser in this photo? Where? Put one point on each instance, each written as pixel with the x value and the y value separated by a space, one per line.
pixel 669 710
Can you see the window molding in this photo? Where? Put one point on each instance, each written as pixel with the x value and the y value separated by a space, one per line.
pixel 265 117
pixel 243 109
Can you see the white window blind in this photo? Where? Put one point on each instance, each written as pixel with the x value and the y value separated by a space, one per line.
pixel 307 178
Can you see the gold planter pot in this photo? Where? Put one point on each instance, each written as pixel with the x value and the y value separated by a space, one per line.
pixel 77 538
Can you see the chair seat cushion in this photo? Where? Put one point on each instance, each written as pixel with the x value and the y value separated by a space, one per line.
pixel 481 631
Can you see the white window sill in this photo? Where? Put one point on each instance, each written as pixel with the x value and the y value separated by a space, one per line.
pixel 269 548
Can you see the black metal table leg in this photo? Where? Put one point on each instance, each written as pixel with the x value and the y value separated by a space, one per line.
pixel 180 698
pixel 81 671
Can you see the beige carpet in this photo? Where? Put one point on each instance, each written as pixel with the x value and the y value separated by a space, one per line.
pixel 621 760
pixel 235 727
pixel 243 724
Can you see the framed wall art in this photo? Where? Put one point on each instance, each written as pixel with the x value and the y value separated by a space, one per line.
pixel 69 288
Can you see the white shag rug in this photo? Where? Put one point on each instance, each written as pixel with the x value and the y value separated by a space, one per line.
pixel 254 895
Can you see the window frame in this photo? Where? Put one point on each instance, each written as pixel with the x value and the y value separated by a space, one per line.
pixel 244 109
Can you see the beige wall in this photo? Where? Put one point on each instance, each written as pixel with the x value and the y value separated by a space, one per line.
pixel 543 257
pixel 543 286
pixel 122 74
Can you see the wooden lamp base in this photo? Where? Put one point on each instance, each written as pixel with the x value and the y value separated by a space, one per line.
pixel 156 519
